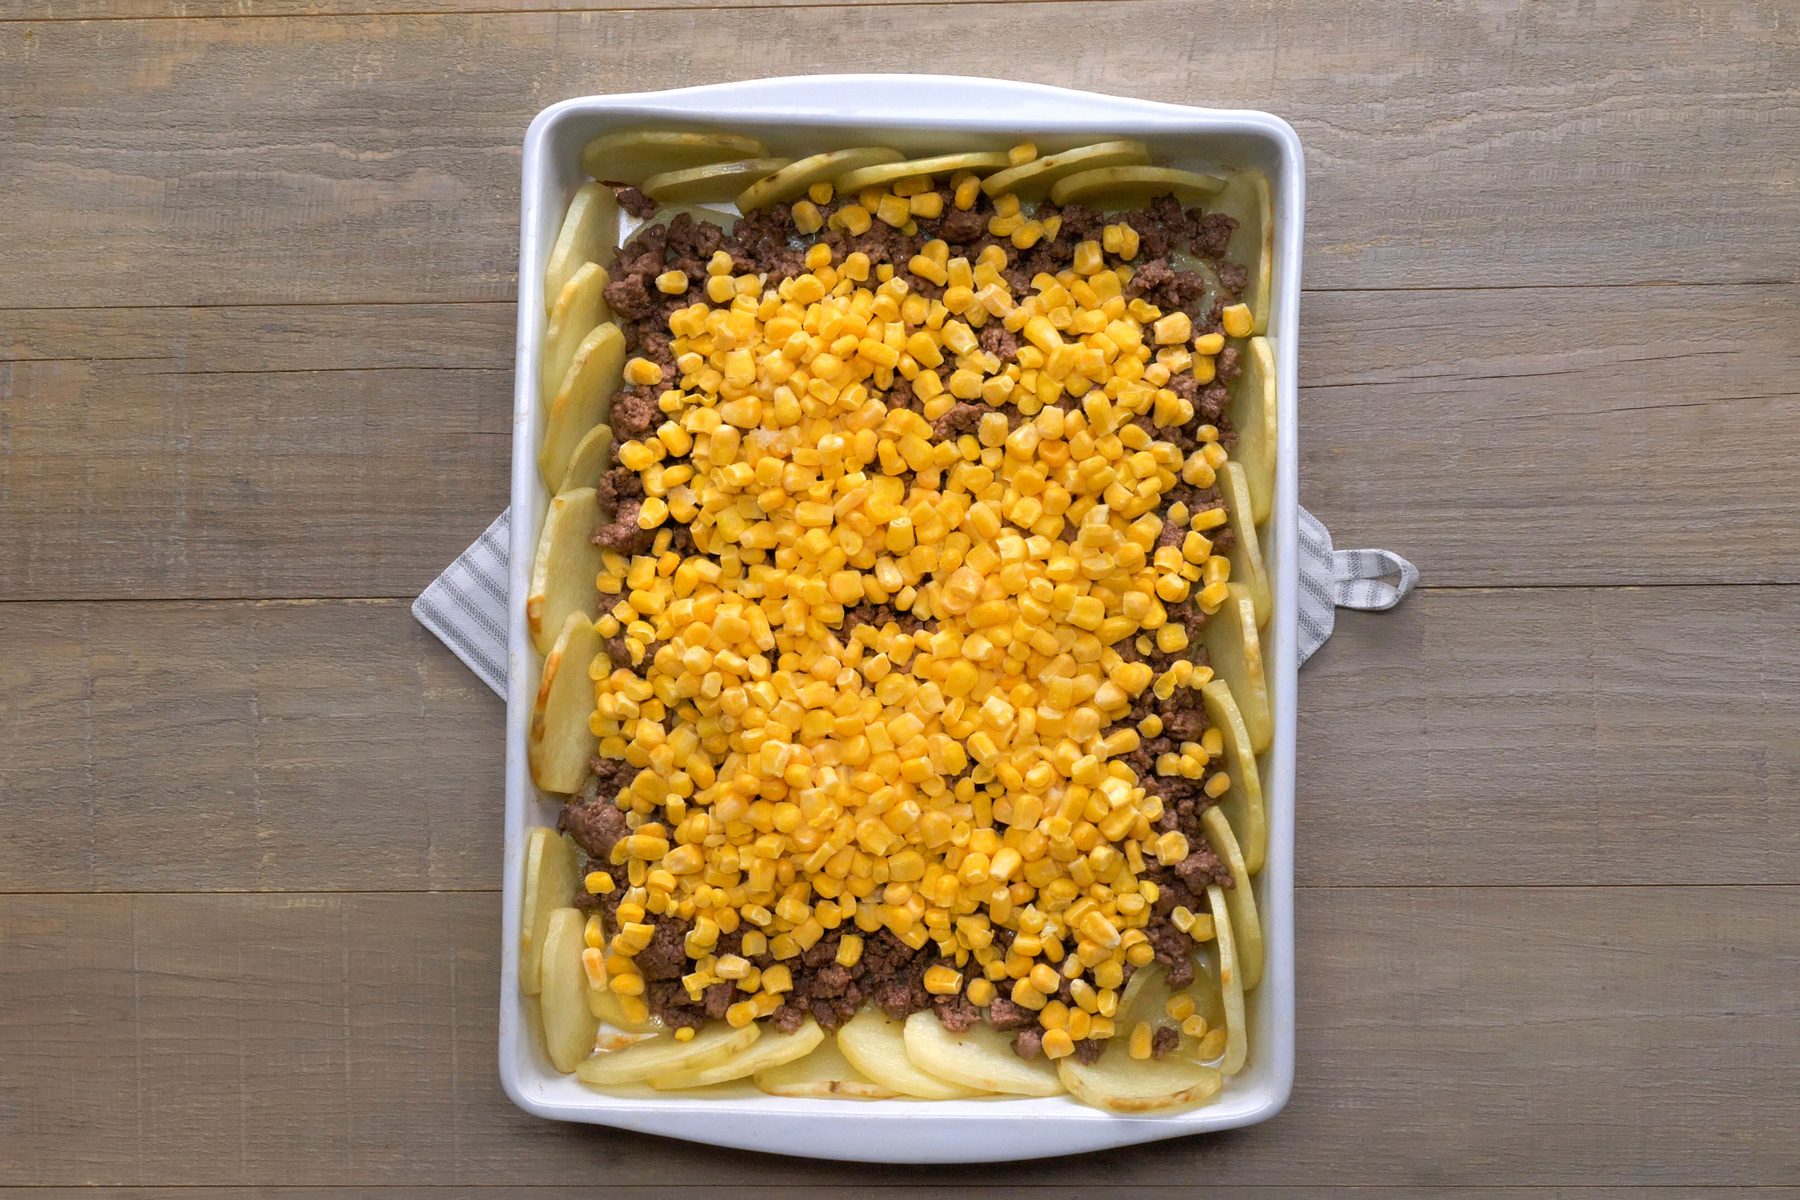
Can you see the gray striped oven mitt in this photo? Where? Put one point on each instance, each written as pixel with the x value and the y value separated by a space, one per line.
pixel 465 607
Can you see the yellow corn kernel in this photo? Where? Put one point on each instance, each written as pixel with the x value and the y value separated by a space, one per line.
pixel 893 210
pixel 943 981
pixel 981 992
pixel 1236 320
pixel 807 218
pixel 672 283
pixel 929 205
pixel 643 372
pixel 966 192
pixel 600 883
pixel 1141 1036
pixel 1022 153
pixel 1058 1044
pixel 1172 330
pixel 685 1033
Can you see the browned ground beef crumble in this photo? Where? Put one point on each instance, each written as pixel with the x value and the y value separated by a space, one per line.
pixel 890 974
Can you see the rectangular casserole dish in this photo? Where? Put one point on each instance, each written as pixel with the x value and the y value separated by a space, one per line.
pixel 915 114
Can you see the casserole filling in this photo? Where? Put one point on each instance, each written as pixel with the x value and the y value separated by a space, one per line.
pixel 911 530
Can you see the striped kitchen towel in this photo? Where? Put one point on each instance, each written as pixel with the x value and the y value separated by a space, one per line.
pixel 465 607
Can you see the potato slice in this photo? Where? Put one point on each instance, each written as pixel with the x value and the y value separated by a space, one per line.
pixel 825 1073
pixel 980 1058
pixel 568 1025
pixel 1231 983
pixel 635 156
pixel 1245 554
pixel 567 564
pixel 1122 1084
pixel 580 307
pixel 1243 803
pixel 1133 187
pixel 1235 651
pixel 791 181
pixel 980 162
pixel 549 885
pixel 714 183
pixel 770 1050
pixel 589 234
pixel 875 1044
pixel 583 400
pixel 1245 199
pixel 1253 412
pixel 1032 181
pixel 714 1043
pixel 1246 923
pixel 593 453
pixel 560 741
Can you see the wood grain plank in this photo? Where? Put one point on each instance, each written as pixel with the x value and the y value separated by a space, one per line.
pixel 1566 436
pixel 887 1190
pixel 242 746
pixel 376 158
pixel 124 10
pixel 291 451
pixel 1540 737
pixel 1548 1036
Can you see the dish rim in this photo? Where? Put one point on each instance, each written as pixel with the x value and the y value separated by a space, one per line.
pixel 916 107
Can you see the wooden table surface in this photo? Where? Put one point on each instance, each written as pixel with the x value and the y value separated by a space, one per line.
pixel 256 280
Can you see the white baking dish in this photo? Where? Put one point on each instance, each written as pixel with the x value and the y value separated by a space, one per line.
pixel 913 113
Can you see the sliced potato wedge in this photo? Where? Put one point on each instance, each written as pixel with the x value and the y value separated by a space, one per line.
pixel 715 1043
pixel 549 885
pixel 1253 411
pixel 1243 803
pixel 636 155
pixel 823 1073
pixel 714 183
pixel 979 162
pixel 770 1050
pixel 1231 983
pixel 1245 198
pixel 589 234
pixel 1235 651
pixel 1246 923
pixel 583 400
pixel 790 182
pixel 563 573
pixel 559 742
pixel 1133 187
pixel 1122 1084
pixel 593 453
pixel 568 1025
pixel 875 1044
pixel 1245 555
pixel 580 306
pixel 1032 181
pixel 981 1058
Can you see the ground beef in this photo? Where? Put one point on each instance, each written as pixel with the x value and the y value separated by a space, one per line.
pixel 1029 1043
pixel 618 485
pixel 1233 277
pixel 629 297
pixel 958 1014
pixel 1211 234
pixel 1005 1015
pixel 961 226
pixel 961 419
pixel 591 817
pixel 879 615
pixel 666 955
pixel 634 414
pixel 622 532
pixel 999 341
pixel 900 394
pixel 1164 1039
pixel 1089 1050
pixel 1227 365
pixel 635 202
